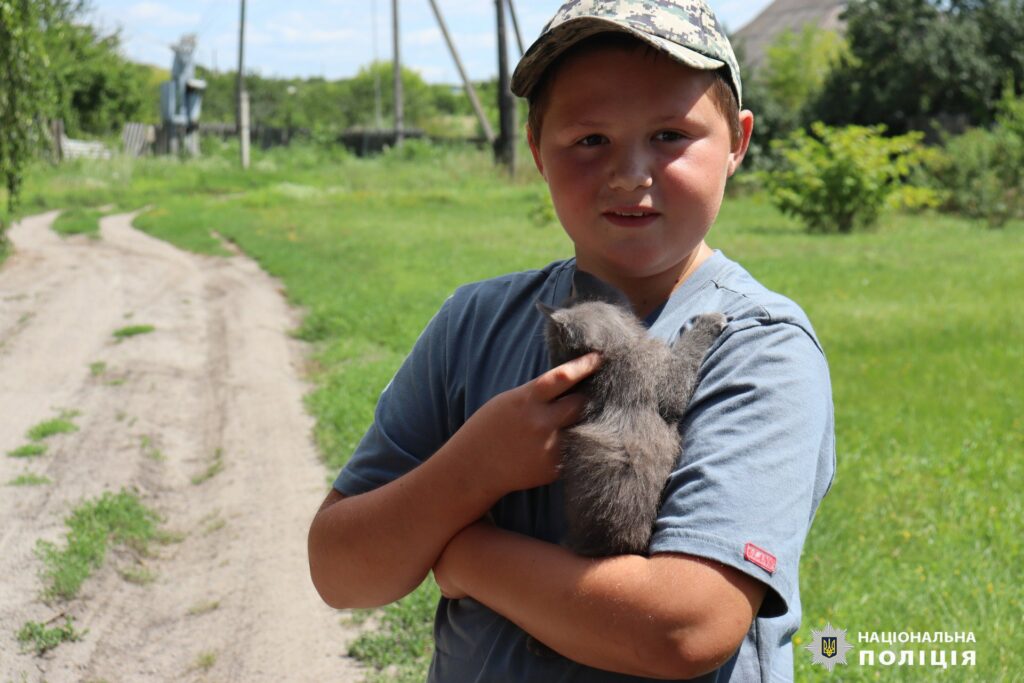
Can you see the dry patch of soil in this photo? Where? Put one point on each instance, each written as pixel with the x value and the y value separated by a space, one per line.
pixel 218 379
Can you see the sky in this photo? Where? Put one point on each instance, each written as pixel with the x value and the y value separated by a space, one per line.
pixel 334 38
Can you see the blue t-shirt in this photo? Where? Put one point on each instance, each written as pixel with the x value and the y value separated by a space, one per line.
pixel 758 453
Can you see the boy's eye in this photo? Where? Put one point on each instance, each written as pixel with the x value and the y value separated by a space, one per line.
pixel 592 140
pixel 669 136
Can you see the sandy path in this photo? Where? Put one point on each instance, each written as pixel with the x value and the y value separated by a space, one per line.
pixel 219 375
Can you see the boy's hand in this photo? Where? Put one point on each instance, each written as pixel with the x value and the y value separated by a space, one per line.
pixel 515 435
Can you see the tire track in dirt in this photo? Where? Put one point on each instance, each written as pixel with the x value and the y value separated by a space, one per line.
pixel 218 378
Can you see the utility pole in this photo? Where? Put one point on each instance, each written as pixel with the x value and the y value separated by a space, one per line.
pixel 481 117
pixel 399 104
pixel 243 96
pixel 378 116
pixel 515 26
pixel 505 146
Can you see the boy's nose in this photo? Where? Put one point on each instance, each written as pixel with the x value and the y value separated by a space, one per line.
pixel 630 171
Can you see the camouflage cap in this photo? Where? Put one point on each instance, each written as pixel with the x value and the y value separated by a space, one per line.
pixel 686 30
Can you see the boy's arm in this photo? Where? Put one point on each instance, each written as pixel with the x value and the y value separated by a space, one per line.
pixel 668 616
pixel 374 548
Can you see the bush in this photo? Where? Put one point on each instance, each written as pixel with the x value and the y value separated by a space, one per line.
pixel 982 172
pixel 839 179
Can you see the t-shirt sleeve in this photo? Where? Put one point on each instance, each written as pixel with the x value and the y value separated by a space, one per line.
pixel 411 418
pixel 756 458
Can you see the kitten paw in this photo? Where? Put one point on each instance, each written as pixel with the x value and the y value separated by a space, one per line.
pixel 710 324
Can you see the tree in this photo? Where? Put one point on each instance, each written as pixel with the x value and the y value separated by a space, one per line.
pixel 26 99
pixel 912 61
pixel 358 109
pixel 781 92
pixel 98 89
pixel 798 63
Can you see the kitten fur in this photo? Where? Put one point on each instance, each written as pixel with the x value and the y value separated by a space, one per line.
pixel 616 460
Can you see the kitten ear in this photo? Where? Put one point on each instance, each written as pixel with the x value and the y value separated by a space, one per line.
pixel 545 309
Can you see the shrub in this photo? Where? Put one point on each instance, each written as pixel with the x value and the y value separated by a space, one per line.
pixel 839 179
pixel 982 172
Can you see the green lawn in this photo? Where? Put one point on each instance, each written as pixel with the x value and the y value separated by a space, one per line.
pixel 921 321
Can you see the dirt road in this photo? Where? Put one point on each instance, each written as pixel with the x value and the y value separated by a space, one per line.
pixel 216 380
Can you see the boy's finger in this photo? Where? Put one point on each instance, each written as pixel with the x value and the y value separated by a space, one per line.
pixel 570 409
pixel 561 379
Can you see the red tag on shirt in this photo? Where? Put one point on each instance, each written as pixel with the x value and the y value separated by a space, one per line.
pixel 762 558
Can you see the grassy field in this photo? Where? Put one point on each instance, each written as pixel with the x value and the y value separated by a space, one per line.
pixel 921 321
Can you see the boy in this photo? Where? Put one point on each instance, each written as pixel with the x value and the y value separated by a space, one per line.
pixel 635 125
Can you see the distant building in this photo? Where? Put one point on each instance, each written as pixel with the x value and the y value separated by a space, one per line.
pixel 753 39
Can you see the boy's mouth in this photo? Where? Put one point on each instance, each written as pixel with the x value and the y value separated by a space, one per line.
pixel 631 216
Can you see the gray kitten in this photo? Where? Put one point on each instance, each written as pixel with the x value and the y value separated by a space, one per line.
pixel 616 460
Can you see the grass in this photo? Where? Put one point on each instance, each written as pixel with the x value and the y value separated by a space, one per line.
pixel 112 518
pixel 52 427
pixel 149 449
pixel 132 331
pixel 29 450
pixel 140 575
pixel 29 479
pixel 401 649
pixel 203 608
pixel 36 637
pixel 97 368
pixel 215 467
pixel 921 321
pixel 78 221
pixel 205 660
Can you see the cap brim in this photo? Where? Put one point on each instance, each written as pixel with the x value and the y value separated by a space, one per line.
pixel 559 39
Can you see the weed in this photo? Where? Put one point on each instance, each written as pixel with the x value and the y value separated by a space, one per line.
pixel 118 518
pixel 98 368
pixel 203 608
pixel 214 525
pixel 132 331
pixel 167 537
pixel 54 426
pixel 401 650
pixel 213 469
pixel 29 450
pixel 28 479
pixel 150 450
pixel 34 636
pixel 205 660
pixel 139 575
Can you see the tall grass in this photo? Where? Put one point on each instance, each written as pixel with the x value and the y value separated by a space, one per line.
pixel 921 321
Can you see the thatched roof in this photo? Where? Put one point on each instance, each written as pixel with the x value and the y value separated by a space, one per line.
pixel 754 38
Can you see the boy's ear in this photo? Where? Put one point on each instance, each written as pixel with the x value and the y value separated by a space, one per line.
pixel 740 151
pixel 535 151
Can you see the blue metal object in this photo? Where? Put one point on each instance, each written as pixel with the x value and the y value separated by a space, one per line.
pixel 181 98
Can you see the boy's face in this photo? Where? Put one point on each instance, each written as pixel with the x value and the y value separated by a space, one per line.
pixel 636 155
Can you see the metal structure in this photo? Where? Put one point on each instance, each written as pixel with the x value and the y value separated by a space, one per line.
pixel 181 100
pixel 505 145
pixel 504 142
pixel 242 122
